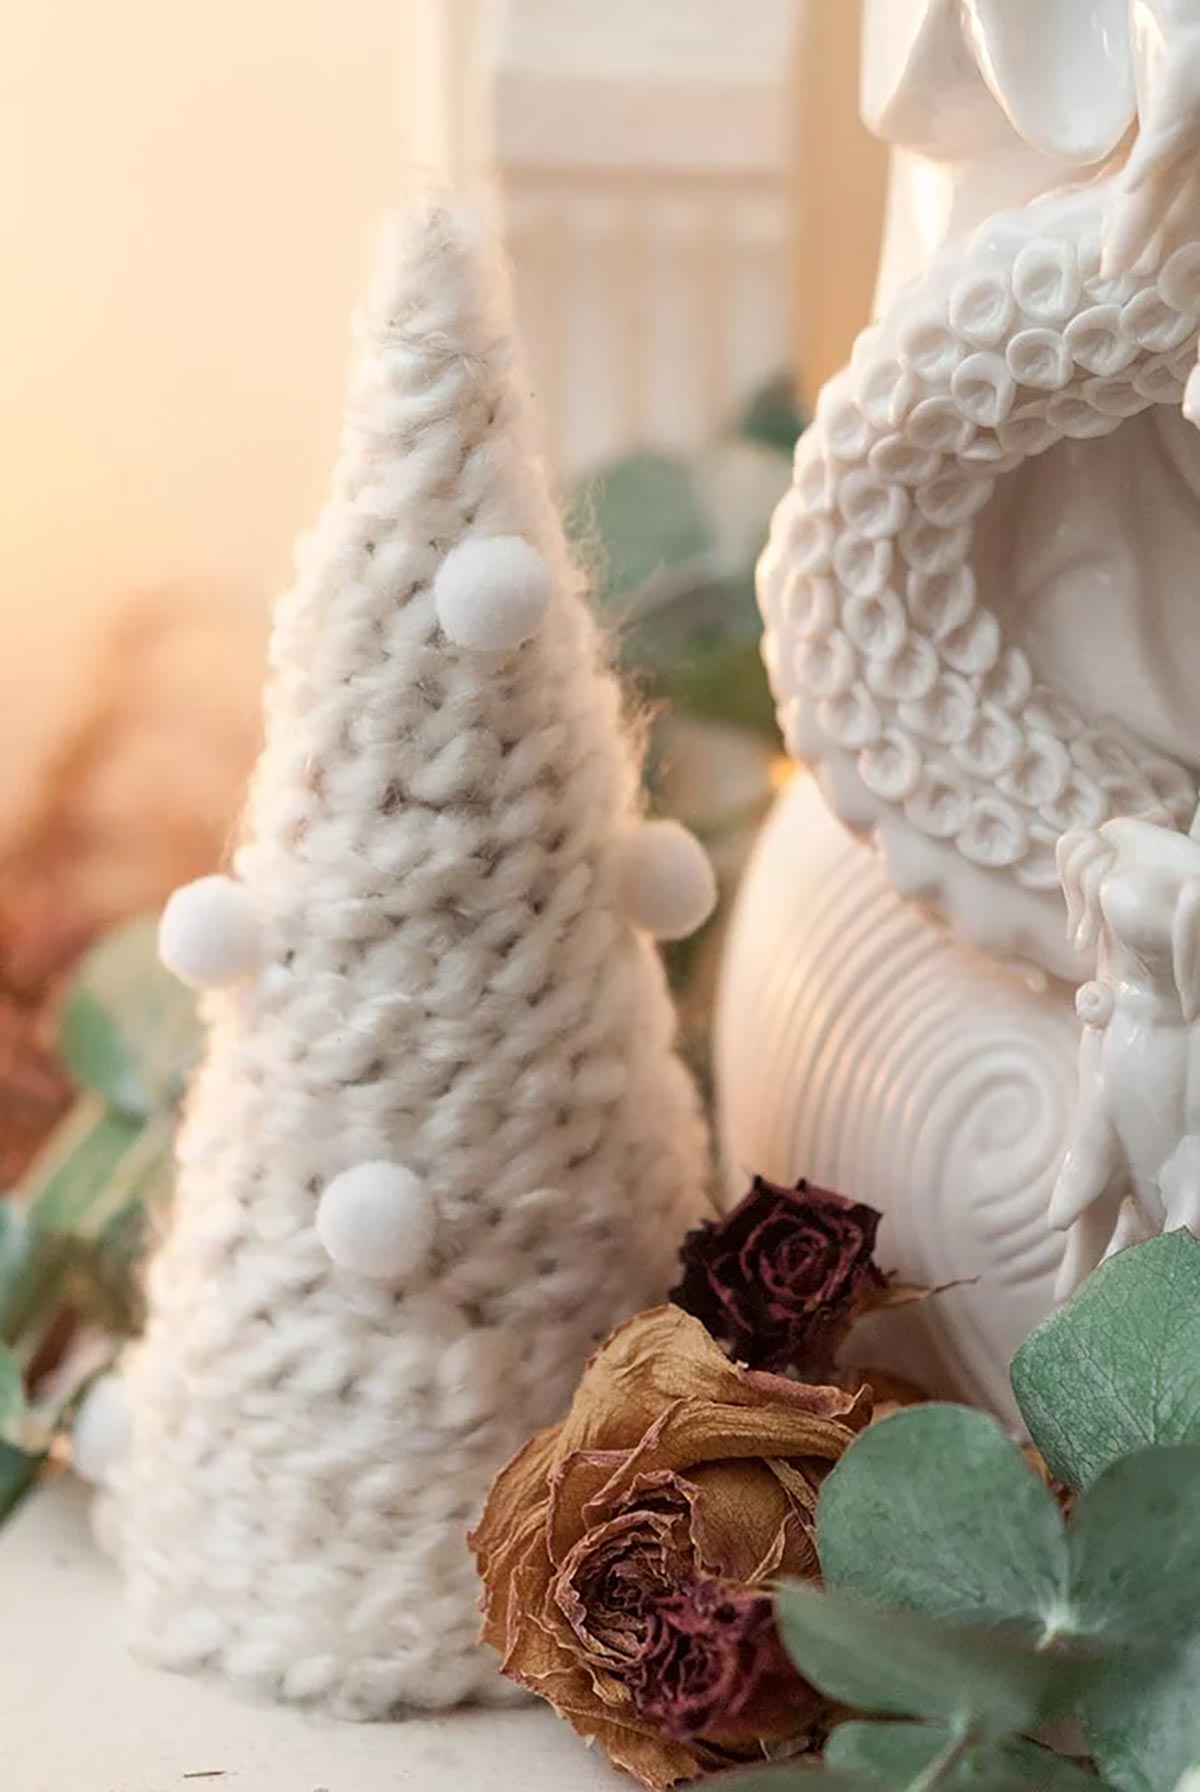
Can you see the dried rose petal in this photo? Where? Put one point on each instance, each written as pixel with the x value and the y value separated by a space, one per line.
pixel 676 1476
pixel 780 1279
pixel 713 1666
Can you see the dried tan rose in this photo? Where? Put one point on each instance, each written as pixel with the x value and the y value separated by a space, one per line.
pixel 675 1478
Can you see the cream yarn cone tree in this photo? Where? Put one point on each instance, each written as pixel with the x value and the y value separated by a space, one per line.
pixel 440 1142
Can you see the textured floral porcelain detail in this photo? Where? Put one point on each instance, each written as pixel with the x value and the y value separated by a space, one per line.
pixel 889 636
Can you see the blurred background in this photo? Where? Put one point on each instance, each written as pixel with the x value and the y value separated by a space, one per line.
pixel 188 195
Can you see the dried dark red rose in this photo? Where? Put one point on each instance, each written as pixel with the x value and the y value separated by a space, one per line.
pixel 712 1666
pixel 780 1280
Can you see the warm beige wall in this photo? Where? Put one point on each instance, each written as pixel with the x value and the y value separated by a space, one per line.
pixel 187 192
pixel 187 189
pixel 841 177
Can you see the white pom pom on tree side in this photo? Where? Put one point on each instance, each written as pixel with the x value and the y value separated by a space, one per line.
pixel 377 1220
pixel 210 933
pixel 492 593
pixel 666 880
pixel 101 1433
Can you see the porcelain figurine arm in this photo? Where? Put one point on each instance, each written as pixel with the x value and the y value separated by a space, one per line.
pixel 1157 201
pixel 1157 205
pixel 1133 1164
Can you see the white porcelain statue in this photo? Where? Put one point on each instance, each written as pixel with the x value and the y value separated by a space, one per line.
pixel 982 634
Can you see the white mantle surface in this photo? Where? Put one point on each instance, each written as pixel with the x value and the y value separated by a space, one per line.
pixel 78 1715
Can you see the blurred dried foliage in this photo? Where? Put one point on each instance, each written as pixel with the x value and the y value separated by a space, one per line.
pixel 136 796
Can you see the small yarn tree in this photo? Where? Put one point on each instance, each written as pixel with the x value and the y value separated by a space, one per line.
pixel 440 1142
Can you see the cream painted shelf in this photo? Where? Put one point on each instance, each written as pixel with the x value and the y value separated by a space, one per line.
pixel 78 1715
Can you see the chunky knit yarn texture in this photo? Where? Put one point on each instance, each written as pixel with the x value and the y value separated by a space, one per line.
pixel 450 1043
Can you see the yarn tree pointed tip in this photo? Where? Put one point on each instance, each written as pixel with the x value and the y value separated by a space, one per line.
pixel 434 248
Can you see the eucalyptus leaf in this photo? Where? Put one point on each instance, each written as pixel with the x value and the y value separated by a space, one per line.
pixel 137 1174
pixel 896 1755
pixel 646 515
pixel 697 615
pixel 66 1188
pixel 16 1250
pixel 772 416
pixel 1135 1586
pixel 29 1287
pixel 12 1393
pixel 19 1469
pixel 1143 1725
pixel 1119 1367
pixel 727 683
pixel 65 1192
pixel 1135 1551
pixel 11 1242
pixel 935 1510
pixel 907 1665
pixel 128 1029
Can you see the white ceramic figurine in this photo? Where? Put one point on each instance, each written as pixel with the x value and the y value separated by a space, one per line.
pixel 1133 1167
pixel 982 635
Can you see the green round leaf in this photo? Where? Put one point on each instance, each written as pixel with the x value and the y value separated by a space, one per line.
pixel 128 1029
pixel 19 1469
pixel 772 416
pixel 1135 1550
pixel 12 1393
pixel 906 1665
pixel 645 515
pixel 68 1183
pixel 895 1755
pixel 1135 1585
pixel 935 1510
pixel 1119 1367
pixel 1143 1725
pixel 16 1253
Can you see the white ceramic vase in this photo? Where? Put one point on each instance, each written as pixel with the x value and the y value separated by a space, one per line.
pixel 860 1044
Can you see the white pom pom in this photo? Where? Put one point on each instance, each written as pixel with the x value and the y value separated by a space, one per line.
pixel 210 932
pixel 101 1433
pixel 492 593
pixel 667 884
pixel 377 1220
